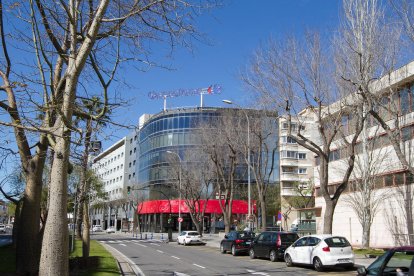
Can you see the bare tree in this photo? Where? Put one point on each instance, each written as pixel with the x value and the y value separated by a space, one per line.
pixel 263 147
pixel 296 79
pixel 70 42
pixel 196 186
pixel 365 195
pixel 220 140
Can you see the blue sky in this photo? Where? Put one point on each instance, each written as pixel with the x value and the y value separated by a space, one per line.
pixel 235 31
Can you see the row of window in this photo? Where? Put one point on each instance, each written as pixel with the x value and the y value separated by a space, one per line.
pixel 401 102
pixel 114 180
pixel 170 139
pixel 287 140
pixel 291 154
pixel 115 169
pixel 380 181
pixel 111 160
pixel 293 126
pixel 294 170
pixel 180 121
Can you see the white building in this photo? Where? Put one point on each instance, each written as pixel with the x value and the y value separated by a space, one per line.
pixel 393 184
pixel 296 163
pixel 116 167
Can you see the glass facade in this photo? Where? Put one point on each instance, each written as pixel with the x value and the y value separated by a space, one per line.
pixel 175 131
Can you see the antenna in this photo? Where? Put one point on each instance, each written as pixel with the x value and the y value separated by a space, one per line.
pixel 212 89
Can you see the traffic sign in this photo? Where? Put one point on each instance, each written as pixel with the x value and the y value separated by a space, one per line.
pixel 180 219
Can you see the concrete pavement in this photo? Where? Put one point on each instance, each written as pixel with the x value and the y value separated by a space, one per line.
pixel 211 240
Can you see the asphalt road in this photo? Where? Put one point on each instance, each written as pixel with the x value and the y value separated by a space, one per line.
pixel 154 257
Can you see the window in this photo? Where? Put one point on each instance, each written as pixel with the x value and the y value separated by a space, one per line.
pixel 302 170
pixel 135 149
pixel 288 140
pixel 130 164
pixel 134 163
pixel 129 176
pixel 130 141
pixel 130 152
pixel 301 155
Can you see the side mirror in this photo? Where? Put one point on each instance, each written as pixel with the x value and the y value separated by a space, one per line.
pixel 293 245
pixel 226 237
pixel 362 271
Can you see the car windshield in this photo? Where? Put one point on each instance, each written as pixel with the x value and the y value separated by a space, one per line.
pixel 337 242
pixel 289 237
pixel 245 235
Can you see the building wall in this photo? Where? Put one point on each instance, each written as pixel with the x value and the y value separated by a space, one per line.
pixel 296 162
pixel 394 185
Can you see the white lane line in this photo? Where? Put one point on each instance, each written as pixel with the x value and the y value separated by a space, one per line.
pixel 261 273
pixel 175 257
pixel 250 271
pixel 155 244
pixel 160 251
pixel 122 244
pixel 180 274
pixel 199 265
pixel 141 245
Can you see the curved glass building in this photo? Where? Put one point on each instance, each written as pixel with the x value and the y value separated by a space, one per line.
pixel 169 134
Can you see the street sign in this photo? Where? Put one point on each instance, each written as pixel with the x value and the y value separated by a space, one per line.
pixel 180 219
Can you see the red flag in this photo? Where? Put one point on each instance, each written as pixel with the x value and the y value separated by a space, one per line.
pixel 209 89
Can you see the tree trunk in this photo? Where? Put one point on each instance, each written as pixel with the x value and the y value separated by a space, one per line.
pixel 366 233
pixel 28 243
pixel 54 258
pixel 79 214
pixel 328 216
pixel 85 232
pixel 263 211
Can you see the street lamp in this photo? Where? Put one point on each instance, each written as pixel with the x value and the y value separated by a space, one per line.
pixel 179 184
pixel 249 211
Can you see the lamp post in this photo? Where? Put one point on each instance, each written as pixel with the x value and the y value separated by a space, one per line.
pixel 249 211
pixel 179 184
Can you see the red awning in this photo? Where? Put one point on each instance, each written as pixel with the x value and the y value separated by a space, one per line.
pixel 171 206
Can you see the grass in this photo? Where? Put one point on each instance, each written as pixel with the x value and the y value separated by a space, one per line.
pixel 99 263
pixel 369 251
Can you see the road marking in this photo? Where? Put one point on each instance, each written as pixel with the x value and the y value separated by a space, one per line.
pixel 155 244
pixel 175 257
pixel 141 245
pixel 122 244
pixel 180 274
pixel 111 241
pixel 257 273
pixel 160 251
pixel 199 265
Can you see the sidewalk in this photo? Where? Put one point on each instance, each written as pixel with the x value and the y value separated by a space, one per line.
pixel 211 240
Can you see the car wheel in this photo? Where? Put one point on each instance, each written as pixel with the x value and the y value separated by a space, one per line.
pixel 273 256
pixel 178 242
pixel 184 243
pixel 288 260
pixel 222 250
pixel 251 253
pixel 233 250
pixel 317 264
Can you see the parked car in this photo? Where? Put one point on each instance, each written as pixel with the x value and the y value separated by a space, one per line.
pixel 271 245
pixel 236 242
pixel 189 237
pixel 321 251
pixel 2 228
pixel 96 228
pixel 110 230
pixel 397 261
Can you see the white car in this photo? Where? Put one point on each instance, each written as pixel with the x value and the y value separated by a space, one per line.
pixel 321 251
pixel 110 230
pixel 97 228
pixel 189 237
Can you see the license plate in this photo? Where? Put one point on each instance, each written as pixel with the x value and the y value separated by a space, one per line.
pixel 248 242
pixel 343 260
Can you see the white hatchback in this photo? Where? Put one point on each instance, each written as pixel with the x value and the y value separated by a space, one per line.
pixel 189 237
pixel 321 251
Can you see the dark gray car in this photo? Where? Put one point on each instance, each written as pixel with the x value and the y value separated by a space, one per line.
pixel 272 245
